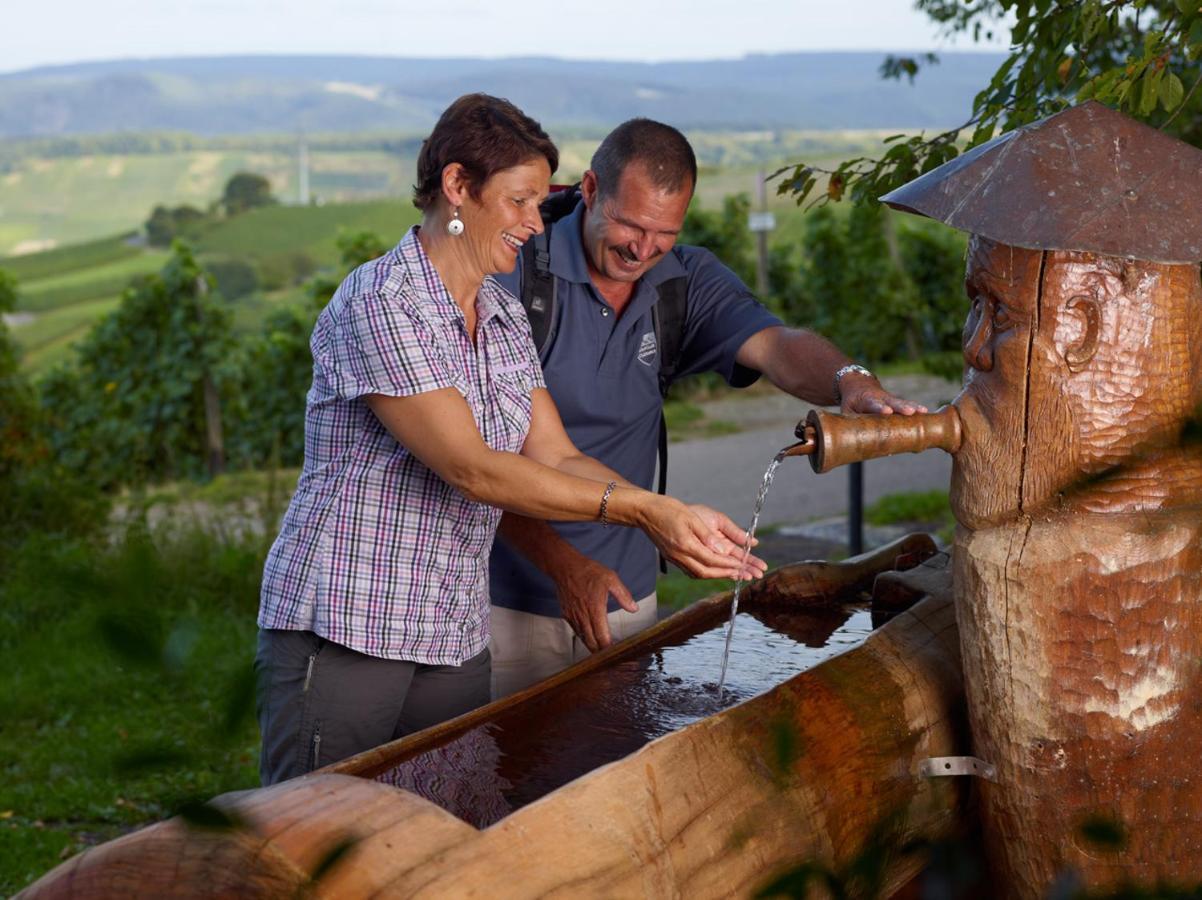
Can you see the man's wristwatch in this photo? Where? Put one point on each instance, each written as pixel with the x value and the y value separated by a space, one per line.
pixel 853 367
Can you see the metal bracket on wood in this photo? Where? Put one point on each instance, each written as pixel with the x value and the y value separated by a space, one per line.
pixel 938 766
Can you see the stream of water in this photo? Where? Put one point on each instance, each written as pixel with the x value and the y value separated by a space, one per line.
pixel 769 474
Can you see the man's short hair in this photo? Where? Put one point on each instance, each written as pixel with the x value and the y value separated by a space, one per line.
pixel 483 134
pixel 662 150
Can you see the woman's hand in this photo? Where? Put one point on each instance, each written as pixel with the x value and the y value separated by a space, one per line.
pixel 702 541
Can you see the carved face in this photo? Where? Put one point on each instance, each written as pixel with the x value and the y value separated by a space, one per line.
pixel 1075 364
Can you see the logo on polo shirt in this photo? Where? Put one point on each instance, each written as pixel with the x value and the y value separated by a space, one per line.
pixel 647 348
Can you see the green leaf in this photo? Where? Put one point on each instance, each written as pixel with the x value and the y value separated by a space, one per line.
pixel 1187 7
pixel 1148 91
pixel 1171 91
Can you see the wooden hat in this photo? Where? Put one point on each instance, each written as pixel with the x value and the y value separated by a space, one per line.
pixel 1087 178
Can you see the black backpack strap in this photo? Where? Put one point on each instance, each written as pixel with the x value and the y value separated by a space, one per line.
pixel 539 293
pixel 668 318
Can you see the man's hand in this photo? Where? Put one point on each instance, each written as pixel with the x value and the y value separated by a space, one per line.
pixel 864 394
pixel 584 590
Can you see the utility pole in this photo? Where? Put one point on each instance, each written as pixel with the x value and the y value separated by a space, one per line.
pixel 761 222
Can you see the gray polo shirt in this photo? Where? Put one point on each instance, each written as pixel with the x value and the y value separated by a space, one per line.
pixel 603 375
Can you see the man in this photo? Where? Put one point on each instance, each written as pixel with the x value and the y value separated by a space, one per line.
pixel 556 592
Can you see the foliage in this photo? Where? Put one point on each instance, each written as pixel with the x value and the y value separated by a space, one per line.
pixel 1135 55
pixel 277 369
pixel 244 191
pixel 233 277
pixel 724 233
pixel 872 299
pixel 824 250
pixel 275 372
pixel 933 260
pixel 132 408
pixel 126 685
pixel 165 225
pixel 284 269
pixel 19 439
pixel 880 310
pixel 39 495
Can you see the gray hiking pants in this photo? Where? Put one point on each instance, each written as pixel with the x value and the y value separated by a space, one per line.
pixel 320 702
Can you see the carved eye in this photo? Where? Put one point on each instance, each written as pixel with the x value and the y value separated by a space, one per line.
pixel 1001 318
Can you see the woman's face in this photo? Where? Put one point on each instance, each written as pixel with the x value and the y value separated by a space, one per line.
pixel 506 215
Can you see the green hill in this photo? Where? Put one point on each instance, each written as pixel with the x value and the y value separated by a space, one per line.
pixel 52 200
pixel 63 292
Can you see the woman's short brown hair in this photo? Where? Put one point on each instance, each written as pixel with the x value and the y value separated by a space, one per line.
pixel 484 135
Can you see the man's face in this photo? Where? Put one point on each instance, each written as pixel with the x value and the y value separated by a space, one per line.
pixel 628 230
pixel 1075 365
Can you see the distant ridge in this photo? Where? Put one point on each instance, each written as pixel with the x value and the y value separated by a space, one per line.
pixel 249 94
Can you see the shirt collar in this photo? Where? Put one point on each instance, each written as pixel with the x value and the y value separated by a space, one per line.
pixel 433 295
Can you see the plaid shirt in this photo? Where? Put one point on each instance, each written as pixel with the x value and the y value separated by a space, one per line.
pixel 376 552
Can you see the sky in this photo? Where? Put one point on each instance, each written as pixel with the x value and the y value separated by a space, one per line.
pixel 67 31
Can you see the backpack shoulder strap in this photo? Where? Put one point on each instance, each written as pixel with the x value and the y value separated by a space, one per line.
pixel 669 317
pixel 538 288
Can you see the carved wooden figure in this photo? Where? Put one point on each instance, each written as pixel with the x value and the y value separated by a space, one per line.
pixel 1078 489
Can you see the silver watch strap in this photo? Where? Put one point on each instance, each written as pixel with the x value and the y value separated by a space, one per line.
pixel 852 367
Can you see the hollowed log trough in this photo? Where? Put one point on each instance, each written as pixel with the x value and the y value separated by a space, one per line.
pixel 712 810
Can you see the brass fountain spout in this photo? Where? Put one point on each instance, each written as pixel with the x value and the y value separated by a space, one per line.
pixel 831 439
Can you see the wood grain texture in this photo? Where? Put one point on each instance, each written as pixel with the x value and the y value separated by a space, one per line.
pixel 708 811
pixel 1078 570
pixel 1082 645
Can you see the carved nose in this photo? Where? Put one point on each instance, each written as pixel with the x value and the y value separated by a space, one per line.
pixel 978 349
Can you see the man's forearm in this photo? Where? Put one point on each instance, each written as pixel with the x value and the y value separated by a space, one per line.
pixel 797 361
pixel 539 543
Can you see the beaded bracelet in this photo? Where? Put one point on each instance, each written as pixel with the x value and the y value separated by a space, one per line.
pixel 603 514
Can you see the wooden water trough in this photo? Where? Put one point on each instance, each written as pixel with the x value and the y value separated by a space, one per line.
pixel 806 771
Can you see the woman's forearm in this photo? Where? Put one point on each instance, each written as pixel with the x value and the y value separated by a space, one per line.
pixel 570 494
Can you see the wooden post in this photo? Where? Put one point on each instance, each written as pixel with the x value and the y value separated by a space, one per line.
pixel 214 442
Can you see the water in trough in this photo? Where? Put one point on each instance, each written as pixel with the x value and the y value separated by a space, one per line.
pixel 532 748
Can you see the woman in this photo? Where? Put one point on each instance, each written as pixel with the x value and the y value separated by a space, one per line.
pixel 426 418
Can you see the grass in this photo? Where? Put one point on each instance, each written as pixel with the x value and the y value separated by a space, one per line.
pixel 931 510
pixel 79 285
pixel 68 259
pixel 909 506
pixel 676 590
pixel 50 326
pixel 71 287
pixel 127 685
pixel 687 421
pixel 270 231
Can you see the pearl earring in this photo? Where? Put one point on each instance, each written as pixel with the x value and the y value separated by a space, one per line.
pixel 455 225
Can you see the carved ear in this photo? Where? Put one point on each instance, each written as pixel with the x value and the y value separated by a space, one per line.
pixel 1079 354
